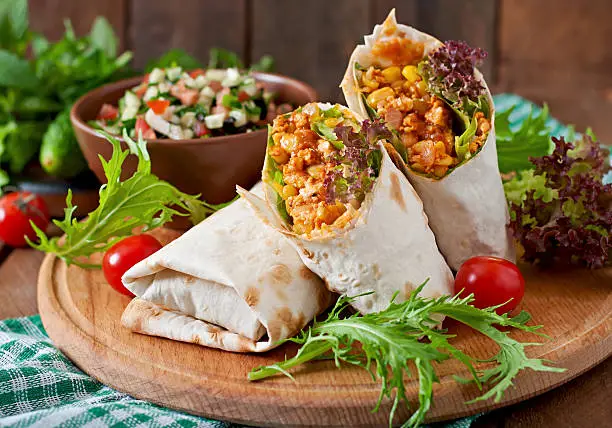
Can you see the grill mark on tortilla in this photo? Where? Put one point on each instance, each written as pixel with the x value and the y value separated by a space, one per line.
pixel 408 287
pixel 309 254
pixel 396 192
pixel 189 279
pixel 280 275
pixel 285 318
pixel 307 274
pixel 376 271
pixel 251 297
pixel 324 298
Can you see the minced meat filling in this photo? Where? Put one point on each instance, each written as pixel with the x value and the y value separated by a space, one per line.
pixel 305 159
pixel 425 122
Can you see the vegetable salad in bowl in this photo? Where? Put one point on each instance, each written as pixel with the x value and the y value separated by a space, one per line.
pixel 176 104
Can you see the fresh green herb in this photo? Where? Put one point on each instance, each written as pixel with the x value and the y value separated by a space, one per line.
pixel 514 147
pixel 143 200
pixel 392 340
pixel 174 58
pixel 223 58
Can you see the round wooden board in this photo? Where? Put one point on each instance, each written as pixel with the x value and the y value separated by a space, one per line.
pixel 82 315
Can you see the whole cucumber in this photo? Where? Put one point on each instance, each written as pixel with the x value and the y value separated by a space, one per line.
pixel 60 154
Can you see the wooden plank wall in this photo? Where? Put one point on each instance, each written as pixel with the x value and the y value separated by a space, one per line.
pixel 556 51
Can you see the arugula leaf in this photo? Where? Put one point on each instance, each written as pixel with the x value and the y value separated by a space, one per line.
pixel 142 200
pixel 392 340
pixel 514 147
pixel 103 36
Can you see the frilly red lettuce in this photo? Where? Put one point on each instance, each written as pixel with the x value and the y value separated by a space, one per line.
pixel 357 164
pixel 561 212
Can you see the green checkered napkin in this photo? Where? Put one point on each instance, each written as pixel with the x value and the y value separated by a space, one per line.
pixel 40 387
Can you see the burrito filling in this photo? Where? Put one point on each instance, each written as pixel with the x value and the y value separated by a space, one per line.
pixel 435 106
pixel 322 164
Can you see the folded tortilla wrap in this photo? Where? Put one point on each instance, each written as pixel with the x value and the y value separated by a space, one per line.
pixel 465 204
pixel 384 246
pixel 228 283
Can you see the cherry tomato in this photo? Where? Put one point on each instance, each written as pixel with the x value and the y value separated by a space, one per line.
pixel 243 96
pixel 125 254
pixel 200 129
pixel 108 112
pixel 493 281
pixel 16 211
pixel 158 106
pixel 143 127
pixel 197 72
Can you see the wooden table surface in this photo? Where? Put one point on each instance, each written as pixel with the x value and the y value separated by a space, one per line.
pixel 583 402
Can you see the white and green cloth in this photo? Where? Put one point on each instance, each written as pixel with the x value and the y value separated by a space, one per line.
pixel 40 387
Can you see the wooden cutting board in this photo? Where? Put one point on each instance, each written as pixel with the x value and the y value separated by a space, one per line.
pixel 81 313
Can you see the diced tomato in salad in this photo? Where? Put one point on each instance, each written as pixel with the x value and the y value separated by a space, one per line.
pixel 197 72
pixel 143 127
pixel 158 106
pixel 108 112
pixel 200 129
pixel 181 104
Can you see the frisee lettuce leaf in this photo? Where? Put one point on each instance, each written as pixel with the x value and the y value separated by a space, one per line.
pixel 142 200
pixel 391 339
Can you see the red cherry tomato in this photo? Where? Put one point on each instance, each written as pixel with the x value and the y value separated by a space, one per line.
pixel 108 112
pixel 158 106
pixel 200 129
pixel 16 211
pixel 493 281
pixel 125 254
pixel 243 96
pixel 197 72
pixel 143 127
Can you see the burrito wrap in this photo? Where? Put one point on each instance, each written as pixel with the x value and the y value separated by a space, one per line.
pixel 388 248
pixel 466 208
pixel 229 271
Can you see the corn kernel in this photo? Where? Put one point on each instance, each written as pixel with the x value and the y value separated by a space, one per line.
pixel 440 148
pixel 445 161
pixel 332 121
pixel 289 190
pixel 279 155
pixel 379 95
pixel 392 74
pixel 316 171
pixel 410 73
pixel 439 171
pixel 422 87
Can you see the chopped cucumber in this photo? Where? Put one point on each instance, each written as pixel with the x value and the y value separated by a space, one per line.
pixel 150 93
pixel 214 121
pixel 130 112
pixel 173 73
pixel 239 117
pixel 156 76
pixel 217 75
pixel 131 100
pixel 232 78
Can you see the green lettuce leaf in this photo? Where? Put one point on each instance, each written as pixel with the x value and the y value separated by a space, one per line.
pixel 514 147
pixel 142 200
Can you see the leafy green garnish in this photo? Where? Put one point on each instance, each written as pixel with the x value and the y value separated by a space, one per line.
pixel 174 58
pixel 514 147
pixel 392 340
pixel 326 132
pixel 462 142
pixel 142 200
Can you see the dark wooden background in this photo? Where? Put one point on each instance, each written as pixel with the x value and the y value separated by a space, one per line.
pixel 558 51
